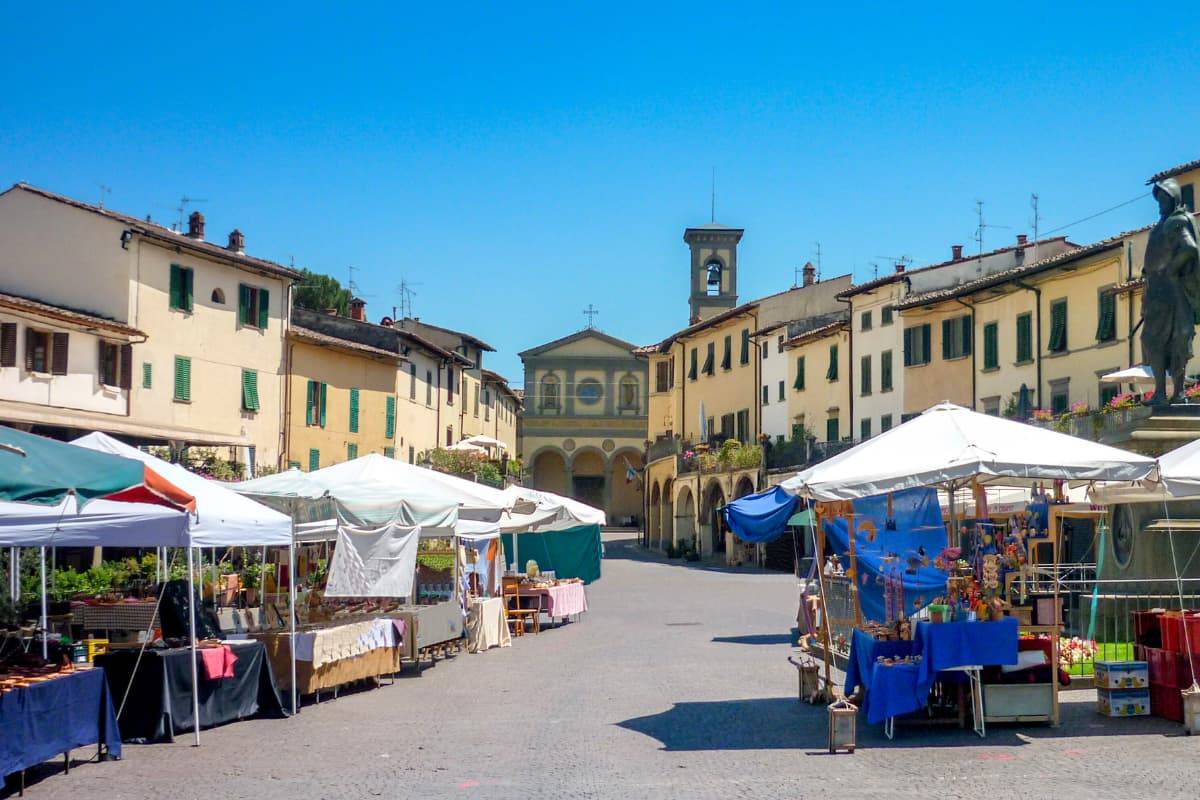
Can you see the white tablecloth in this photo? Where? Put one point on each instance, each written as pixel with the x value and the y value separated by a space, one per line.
pixel 487 625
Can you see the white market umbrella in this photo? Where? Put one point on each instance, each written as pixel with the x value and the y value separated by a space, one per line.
pixel 482 440
pixel 1142 374
pixel 467 447
pixel 948 445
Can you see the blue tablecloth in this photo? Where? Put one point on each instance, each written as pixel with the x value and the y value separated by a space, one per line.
pixel 959 644
pixel 45 720
pixel 864 650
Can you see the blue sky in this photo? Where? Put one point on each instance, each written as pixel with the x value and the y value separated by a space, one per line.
pixel 518 162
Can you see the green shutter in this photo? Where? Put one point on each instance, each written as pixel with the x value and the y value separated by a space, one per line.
pixel 885 371
pixel 709 355
pixel 310 397
pixel 692 368
pixel 314 460
pixel 1106 329
pixel 264 308
pixel 351 451
pixel 1058 326
pixel 831 430
pixel 243 304
pixel 354 410
pixel 250 390
pixel 925 337
pixel 183 379
pixel 324 402
pixel 831 374
pixel 947 338
pixel 966 335
pixel 745 346
pixel 1024 338
pixel 389 452
pixel 727 355
pixel 147 375
pixel 908 347
pixel 390 419
pixel 293 465
pixel 176 292
pixel 799 384
pixel 991 346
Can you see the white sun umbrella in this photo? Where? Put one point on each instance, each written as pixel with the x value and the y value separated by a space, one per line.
pixel 1141 374
pixel 482 440
pixel 467 447
pixel 948 446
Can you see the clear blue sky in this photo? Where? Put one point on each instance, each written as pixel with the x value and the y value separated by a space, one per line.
pixel 520 162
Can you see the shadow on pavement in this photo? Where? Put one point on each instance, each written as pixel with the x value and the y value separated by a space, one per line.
pixel 630 550
pixel 759 638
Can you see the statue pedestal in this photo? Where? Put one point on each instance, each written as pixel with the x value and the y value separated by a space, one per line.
pixel 1164 430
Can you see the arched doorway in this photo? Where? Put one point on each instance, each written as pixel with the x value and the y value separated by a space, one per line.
pixel 744 487
pixel 685 518
pixel 667 515
pixel 714 500
pixel 549 471
pixel 654 526
pixel 588 480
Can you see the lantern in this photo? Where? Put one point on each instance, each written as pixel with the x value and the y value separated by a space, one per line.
pixel 843 717
pixel 1191 709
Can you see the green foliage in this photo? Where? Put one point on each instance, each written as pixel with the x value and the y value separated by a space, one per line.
pixel 438 562
pixel 464 464
pixel 732 455
pixel 206 462
pixel 318 292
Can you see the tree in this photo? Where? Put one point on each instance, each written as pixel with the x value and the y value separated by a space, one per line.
pixel 318 292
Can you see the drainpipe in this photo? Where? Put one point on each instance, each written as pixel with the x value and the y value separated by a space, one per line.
pixel 971 308
pixel 286 414
pixel 1037 349
pixel 850 356
pixel 1129 309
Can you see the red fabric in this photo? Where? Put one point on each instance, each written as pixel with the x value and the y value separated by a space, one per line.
pixel 217 662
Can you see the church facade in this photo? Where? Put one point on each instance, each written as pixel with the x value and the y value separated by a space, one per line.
pixel 584 425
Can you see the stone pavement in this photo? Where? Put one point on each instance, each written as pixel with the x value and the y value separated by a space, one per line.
pixel 675 685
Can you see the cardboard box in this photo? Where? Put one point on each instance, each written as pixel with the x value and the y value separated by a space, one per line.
pixel 1123 702
pixel 1122 674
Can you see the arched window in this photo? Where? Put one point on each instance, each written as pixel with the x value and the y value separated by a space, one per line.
pixel 629 393
pixel 550 393
pixel 218 297
pixel 713 277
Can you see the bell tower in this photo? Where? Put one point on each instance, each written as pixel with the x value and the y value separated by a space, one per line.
pixel 714 270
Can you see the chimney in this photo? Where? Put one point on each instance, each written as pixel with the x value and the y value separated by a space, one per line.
pixel 237 241
pixel 196 226
pixel 810 274
pixel 358 309
pixel 956 249
pixel 899 267
pixel 1022 240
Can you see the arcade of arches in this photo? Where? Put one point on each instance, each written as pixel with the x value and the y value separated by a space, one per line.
pixel 686 509
pixel 594 477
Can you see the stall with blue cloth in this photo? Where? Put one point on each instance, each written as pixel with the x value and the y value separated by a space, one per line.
pixel 761 517
pixel 51 718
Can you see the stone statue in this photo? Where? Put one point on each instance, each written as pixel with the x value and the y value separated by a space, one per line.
pixel 1172 292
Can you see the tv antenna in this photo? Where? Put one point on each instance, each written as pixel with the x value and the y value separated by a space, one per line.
pixel 818 258
pixel 982 226
pixel 184 202
pixel 406 298
pixel 591 313
pixel 899 261
pixel 105 191
pixel 1036 221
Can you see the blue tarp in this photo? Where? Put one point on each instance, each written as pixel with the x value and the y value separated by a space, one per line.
pixel 760 517
pixel 895 554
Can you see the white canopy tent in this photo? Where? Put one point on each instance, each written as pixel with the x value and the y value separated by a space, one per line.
pixel 1141 374
pixel 1177 478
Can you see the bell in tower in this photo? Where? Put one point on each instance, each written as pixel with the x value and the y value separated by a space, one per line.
pixel 714 270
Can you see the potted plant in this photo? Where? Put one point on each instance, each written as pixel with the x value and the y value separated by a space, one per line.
pixel 252 580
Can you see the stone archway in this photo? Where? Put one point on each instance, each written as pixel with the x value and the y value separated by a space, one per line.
pixel 626 494
pixel 548 470
pixel 744 487
pixel 666 532
pixel 591 479
pixel 685 517
pixel 711 521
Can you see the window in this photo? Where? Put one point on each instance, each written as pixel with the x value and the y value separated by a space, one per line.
pixel 1058 327
pixel 864 428
pixel 885 316
pixel 782 395
pixel 831 430
pixel 1107 392
pixel 180 296
pixel 218 297
pixel 351 451
pixel 885 371
pixel 147 375
pixel 1188 195
pixel 412 454
pixel 1024 338
pixel 799 384
pixel 1060 396
pixel 798 432
pixel 991 346
pixel 745 359
pixel 475 412
pixel 316 399
pixel 916 345
pixel 766 395
pixel 389 418
pixel 692 368
pixel 743 426
pixel 450 384
pixel 865 372
pixel 885 423
pixel 713 278
pixel 662 376
pixel 629 393
pixel 727 426
pixel 389 452
pixel 831 374
pixel 590 391
pixel 991 406
pixel 956 337
pixel 314 460
pixel 8 344
pixel 449 435
pixel 865 321
pixel 429 387
pixel 253 304
pixel 412 381
pixel 487 405
pixel 779 344
pixel 37 351
pixel 727 354
pixel 1106 326
pixel 183 379
pixel 709 357
pixel 711 427
pixel 109 363
pixel 766 350
pixel 550 398
pixel 250 390
pixel 353 421
pixel 293 464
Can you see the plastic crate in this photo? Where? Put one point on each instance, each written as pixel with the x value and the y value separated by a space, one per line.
pixel 1166 702
pixel 1146 628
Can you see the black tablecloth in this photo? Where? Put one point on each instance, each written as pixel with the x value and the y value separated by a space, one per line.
pixel 46 719
pixel 160 700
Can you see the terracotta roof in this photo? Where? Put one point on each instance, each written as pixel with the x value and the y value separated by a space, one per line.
pixel 576 336
pixel 1014 273
pixel 1176 170
pixel 64 314
pixel 817 333
pixel 895 276
pixel 501 381
pixel 1128 286
pixel 159 233
pixel 324 339
pixel 432 347
pixel 480 343
pixel 724 316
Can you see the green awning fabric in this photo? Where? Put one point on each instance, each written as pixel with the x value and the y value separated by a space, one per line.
pixel 802 518
pixel 50 470
pixel 570 553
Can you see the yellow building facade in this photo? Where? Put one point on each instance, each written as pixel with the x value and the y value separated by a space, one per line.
pixel 818 387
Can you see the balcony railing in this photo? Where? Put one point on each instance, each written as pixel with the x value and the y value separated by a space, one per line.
pixel 803 454
pixel 1106 425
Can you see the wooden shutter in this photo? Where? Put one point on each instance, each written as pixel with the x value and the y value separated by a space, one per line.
pixel 390 419
pixel 183 378
pixel 412 381
pixel 189 278
pixel 176 291
pixel 250 400
pixel 351 451
pixel 947 338
pixel 324 401
pixel 865 374
pixel 991 356
pixel 58 363
pixel 966 335
pixel 908 348
pixel 310 397
pixel 353 410
pixel 831 374
pixel 727 354
pixel 8 344
pixel 264 308
pixel 31 337
pixel 885 371
pixel 709 355
pixel 799 384
pixel 925 337
pixel 692 368
pixel 314 459
pixel 1024 338
pixel 243 304
pixel 745 346
pixel 126 366
pixel 147 375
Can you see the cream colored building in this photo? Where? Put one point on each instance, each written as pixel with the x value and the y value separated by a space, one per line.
pixel 463 415
pixel 818 382
pixel 501 408
pixel 210 369
pixel 584 421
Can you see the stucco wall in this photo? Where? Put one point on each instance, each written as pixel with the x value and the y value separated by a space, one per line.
pixel 821 399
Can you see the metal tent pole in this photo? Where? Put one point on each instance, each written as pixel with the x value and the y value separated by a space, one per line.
pixel 192 610
pixel 292 611
pixel 14 573
pixel 45 631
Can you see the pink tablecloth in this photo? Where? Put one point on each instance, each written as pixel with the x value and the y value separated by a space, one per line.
pixel 564 600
